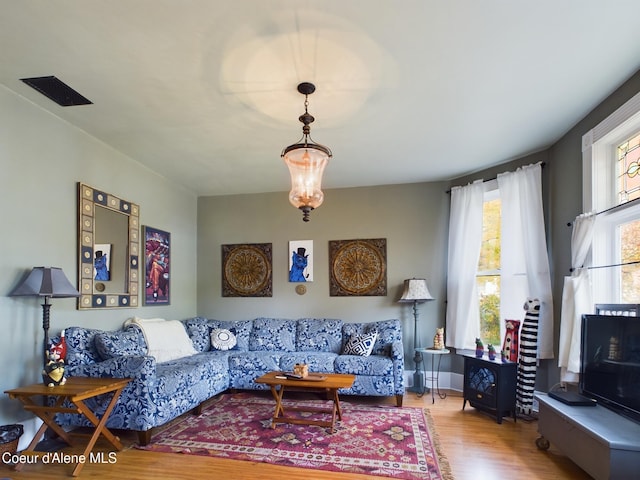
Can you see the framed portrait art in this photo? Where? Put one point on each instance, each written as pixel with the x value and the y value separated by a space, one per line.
pixel 157 251
pixel 301 261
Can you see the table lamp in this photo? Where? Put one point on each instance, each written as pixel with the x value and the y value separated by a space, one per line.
pixel 47 282
pixel 416 291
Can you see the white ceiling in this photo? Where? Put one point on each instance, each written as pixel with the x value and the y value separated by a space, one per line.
pixel 204 91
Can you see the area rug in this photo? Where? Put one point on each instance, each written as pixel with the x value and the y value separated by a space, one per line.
pixel 381 440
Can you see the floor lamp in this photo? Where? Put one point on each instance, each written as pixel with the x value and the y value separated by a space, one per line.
pixel 416 291
pixel 47 282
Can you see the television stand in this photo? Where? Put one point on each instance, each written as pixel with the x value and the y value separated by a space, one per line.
pixel 600 441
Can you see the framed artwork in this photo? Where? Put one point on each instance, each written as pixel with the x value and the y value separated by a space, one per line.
pixel 102 262
pixel 358 267
pixel 247 270
pixel 301 261
pixel 157 251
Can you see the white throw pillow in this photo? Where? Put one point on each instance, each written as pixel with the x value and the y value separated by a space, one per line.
pixel 360 344
pixel 222 339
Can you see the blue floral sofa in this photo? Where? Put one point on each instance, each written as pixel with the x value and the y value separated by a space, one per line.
pixel 161 391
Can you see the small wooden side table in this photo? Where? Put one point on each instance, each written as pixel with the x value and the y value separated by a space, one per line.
pixel 69 398
pixel 435 374
pixel 330 382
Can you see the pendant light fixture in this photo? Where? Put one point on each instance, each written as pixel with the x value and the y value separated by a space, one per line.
pixel 306 161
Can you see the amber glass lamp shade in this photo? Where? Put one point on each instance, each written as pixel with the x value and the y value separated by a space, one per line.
pixel 306 166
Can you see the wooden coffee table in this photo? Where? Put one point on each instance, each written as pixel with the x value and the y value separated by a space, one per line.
pixel 329 382
pixel 70 398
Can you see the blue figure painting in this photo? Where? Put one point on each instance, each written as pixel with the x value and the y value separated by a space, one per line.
pixel 100 264
pixel 298 264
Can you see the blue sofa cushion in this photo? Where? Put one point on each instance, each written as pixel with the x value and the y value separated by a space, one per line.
pixel 254 361
pixel 198 330
pixel 81 348
pixel 129 341
pixel 319 335
pixel 319 362
pixel 372 365
pixel 273 335
pixel 389 331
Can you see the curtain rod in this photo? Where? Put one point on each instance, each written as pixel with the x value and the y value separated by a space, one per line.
pixel 615 207
pixel 572 269
pixel 542 164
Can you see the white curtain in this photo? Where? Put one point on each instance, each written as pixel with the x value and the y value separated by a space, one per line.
pixel 465 238
pixel 524 262
pixel 576 298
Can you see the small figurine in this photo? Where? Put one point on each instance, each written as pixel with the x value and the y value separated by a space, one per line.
pixel 301 369
pixel 438 339
pixel 53 372
pixel 479 348
pixel 492 351
pixel 614 349
pixel 510 346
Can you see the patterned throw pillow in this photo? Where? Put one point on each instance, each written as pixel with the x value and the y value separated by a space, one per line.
pixel 223 339
pixel 360 344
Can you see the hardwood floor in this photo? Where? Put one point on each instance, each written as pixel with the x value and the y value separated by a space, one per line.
pixel 474 444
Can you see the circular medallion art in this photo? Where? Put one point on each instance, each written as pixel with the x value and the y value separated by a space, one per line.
pixel 246 270
pixel 358 267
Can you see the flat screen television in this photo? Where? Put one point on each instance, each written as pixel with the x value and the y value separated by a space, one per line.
pixel 610 370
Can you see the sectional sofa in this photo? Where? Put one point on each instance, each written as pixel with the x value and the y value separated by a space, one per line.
pixel 202 358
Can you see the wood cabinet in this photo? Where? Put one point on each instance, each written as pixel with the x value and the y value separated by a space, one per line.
pixel 490 385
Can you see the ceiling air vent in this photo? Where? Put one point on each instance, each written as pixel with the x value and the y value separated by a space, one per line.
pixel 57 90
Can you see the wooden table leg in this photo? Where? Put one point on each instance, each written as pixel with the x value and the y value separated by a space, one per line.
pixel 336 401
pixel 100 428
pixel 279 411
pixel 47 415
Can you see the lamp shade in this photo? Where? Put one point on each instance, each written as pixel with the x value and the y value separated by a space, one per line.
pixel 415 290
pixel 46 282
pixel 306 167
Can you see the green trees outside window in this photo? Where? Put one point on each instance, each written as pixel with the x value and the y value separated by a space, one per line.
pixel 488 279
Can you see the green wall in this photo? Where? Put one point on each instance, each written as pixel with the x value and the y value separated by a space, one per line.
pixel 413 218
pixel 41 160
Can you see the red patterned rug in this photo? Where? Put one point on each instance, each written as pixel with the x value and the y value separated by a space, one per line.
pixel 380 440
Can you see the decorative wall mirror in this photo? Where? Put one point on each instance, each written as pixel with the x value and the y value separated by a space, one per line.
pixel 108 250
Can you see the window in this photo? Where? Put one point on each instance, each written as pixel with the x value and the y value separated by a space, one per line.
pixel 630 255
pixel 488 276
pixel 628 167
pixel 504 282
pixel 612 187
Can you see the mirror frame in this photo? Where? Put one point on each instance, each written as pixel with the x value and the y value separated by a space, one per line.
pixel 88 199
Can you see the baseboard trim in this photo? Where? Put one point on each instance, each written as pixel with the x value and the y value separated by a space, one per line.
pixel 446 380
pixel 31 427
